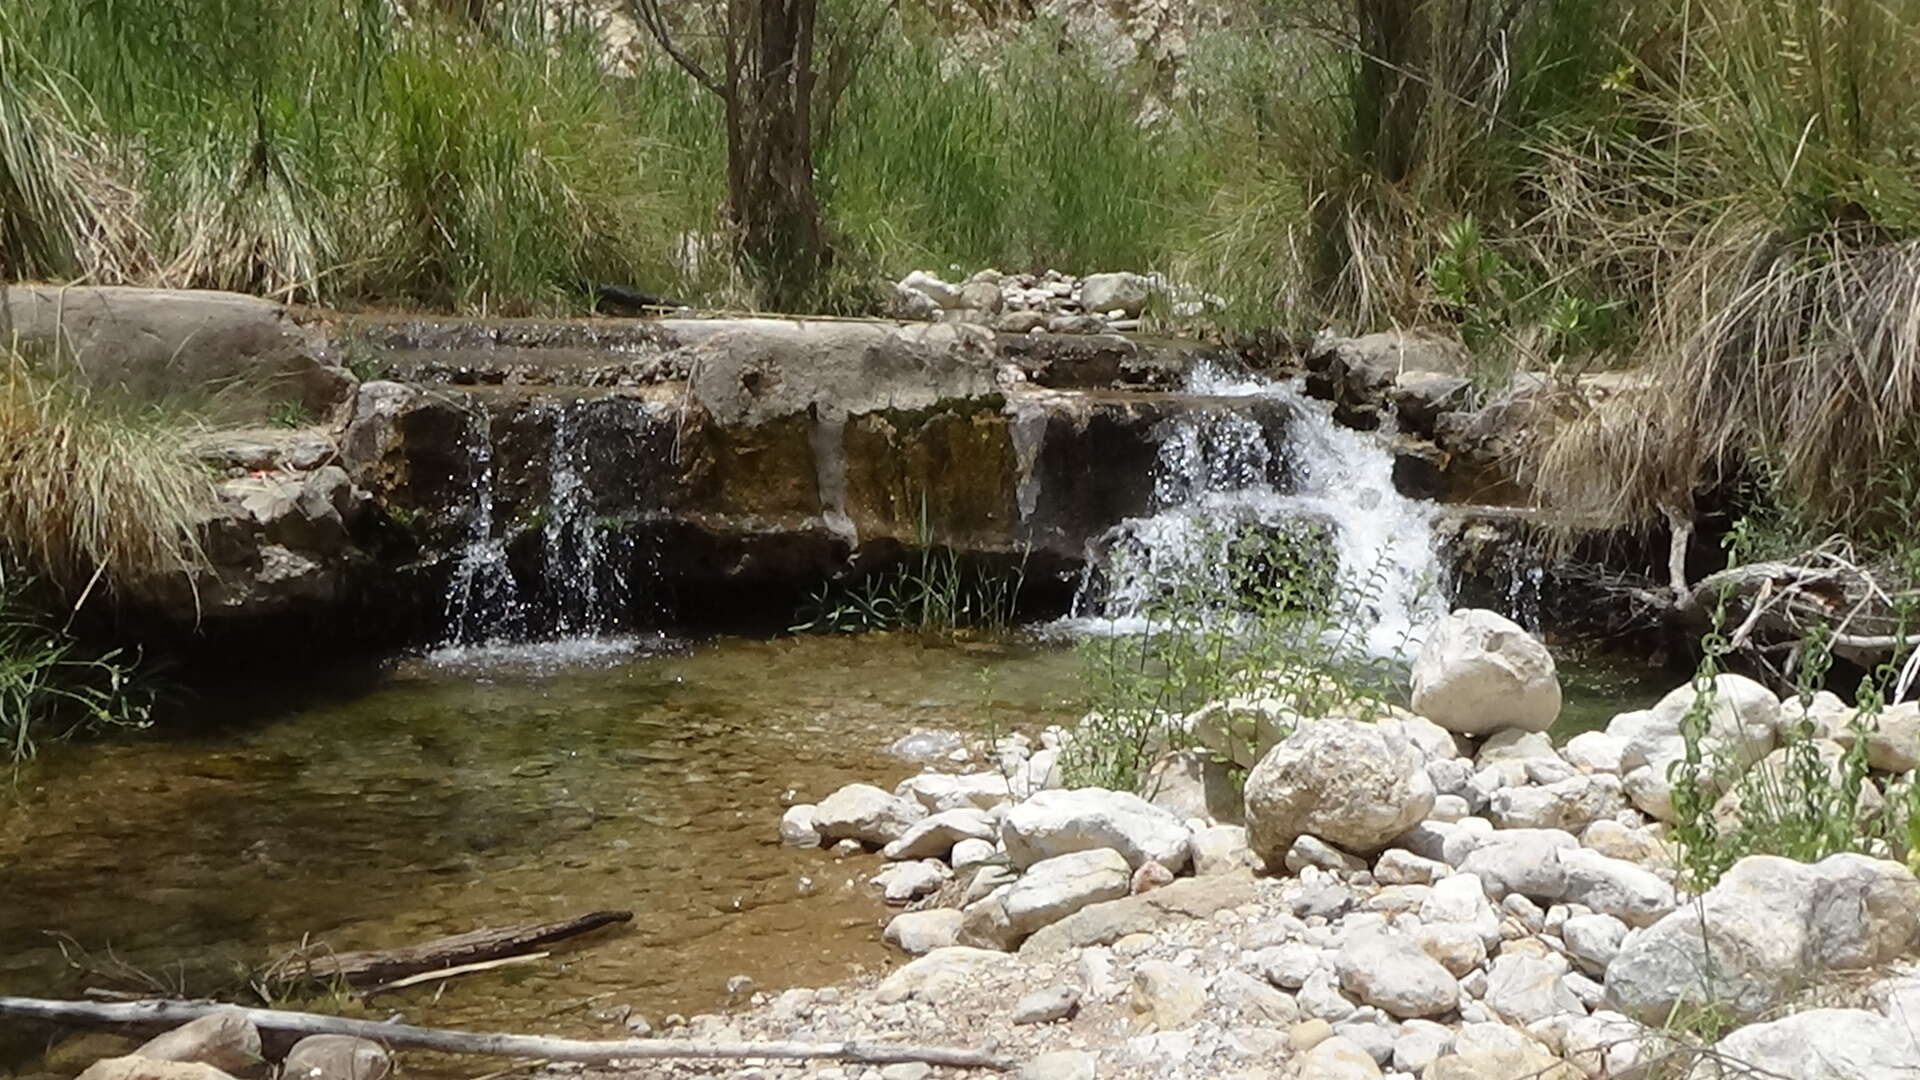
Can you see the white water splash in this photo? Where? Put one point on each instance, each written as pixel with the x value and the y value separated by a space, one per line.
pixel 584 595
pixel 1218 469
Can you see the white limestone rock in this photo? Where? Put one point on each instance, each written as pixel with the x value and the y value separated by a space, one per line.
pixel 1350 784
pixel 1053 823
pixel 1479 672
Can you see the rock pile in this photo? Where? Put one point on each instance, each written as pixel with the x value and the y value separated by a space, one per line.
pixel 1048 303
pixel 1445 900
pixel 225 1044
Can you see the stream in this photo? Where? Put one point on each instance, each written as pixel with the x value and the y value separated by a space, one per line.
pixel 382 808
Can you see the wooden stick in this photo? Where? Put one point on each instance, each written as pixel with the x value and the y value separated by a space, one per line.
pixel 386 965
pixel 453 972
pixel 164 1015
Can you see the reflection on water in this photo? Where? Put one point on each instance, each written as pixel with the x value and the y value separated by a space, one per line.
pixel 472 789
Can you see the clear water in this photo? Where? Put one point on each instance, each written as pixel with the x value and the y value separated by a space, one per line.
pixel 372 809
pixel 1217 468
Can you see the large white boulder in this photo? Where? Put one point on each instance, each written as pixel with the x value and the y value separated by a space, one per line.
pixel 1351 784
pixel 1479 672
pixel 1819 1044
pixel 1394 974
pixel 1769 928
pixel 1055 888
pixel 1054 823
pixel 1893 737
pixel 865 813
pixel 920 932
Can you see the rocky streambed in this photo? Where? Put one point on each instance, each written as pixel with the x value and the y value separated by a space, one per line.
pixel 1394 898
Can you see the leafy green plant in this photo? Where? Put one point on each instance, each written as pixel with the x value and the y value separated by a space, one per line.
pixel 1279 626
pixel 50 688
pixel 288 414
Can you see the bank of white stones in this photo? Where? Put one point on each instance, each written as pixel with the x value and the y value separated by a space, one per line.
pixel 1442 893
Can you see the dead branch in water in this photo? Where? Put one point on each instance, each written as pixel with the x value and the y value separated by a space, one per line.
pixel 382 966
pixel 165 1015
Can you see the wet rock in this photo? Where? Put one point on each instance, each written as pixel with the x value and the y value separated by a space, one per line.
pixel 134 1067
pixel 1351 784
pixel 865 813
pixel 1819 1044
pixel 1768 928
pixel 1165 996
pixel 1053 823
pixel 1479 672
pixel 920 746
pixel 226 1040
pixel 1046 1006
pixel 336 1057
pixel 934 836
pixel 796 827
pixel 920 932
pixel 1391 972
pixel 1055 888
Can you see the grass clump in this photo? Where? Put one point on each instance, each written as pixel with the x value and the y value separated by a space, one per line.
pixel 92 492
pixel 50 688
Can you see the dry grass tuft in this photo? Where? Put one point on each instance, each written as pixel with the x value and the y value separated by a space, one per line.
pixel 89 489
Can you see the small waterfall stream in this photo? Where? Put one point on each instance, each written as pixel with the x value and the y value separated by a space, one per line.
pixel 1217 472
pixel 583 593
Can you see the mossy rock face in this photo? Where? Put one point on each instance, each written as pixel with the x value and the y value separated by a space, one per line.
pixel 944 475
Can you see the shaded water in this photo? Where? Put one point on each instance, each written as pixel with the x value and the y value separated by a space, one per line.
pixel 499 787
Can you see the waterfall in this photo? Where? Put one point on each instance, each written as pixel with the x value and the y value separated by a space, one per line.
pixel 483 599
pixel 582 593
pixel 1217 473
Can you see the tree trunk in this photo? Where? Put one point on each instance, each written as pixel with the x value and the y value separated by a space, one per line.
pixel 770 157
pixel 386 965
pixel 1391 97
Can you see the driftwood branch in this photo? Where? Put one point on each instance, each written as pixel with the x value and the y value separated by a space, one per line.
pixel 475 947
pixel 453 973
pixel 165 1015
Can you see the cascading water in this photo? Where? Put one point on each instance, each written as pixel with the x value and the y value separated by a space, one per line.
pixel 1217 473
pixel 582 594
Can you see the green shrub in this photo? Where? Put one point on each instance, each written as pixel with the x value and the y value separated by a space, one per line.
pixel 1271 619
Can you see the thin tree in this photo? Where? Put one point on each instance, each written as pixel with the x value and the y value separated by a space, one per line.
pixel 761 65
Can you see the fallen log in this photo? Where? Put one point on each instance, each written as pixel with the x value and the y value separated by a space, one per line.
pixel 165 1015
pixel 379 966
